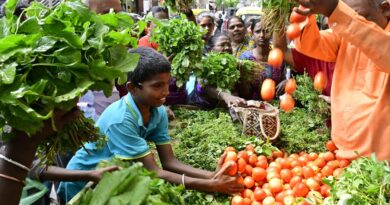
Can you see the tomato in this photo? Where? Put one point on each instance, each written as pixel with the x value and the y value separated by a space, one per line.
pixel 318 177
pixel 296 17
pixel 337 172
pixel 250 147
pixel 241 165
pixel 287 103
pixel 262 163
pixel 312 156
pixel 308 172
pixel 344 163
pixel 268 90
pixel 230 148
pixel 280 196
pixel 256 203
pixel 259 194
pixel 295 180
pixel 232 170
pixel 237 200
pixel 266 187
pixel 331 146
pixel 240 180
pixel 293 31
pixel 247 201
pixel 286 175
pixel 243 155
pixel 329 156
pixel 231 156
pixel 249 182
pixel 301 190
pixel 269 200
pixel 289 200
pixel 275 57
pixel 327 171
pixel 272 175
pixel 262 157
pixel 325 190
pixel 253 160
pixel 320 81
pixel 289 192
pixel 286 163
pixel 247 193
pixel 297 171
pixel 294 156
pixel 274 169
pixel 295 163
pixel 277 154
pixel 275 185
pixel 276 165
pixel 259 174
pixel 303 160
pixel 334 163
pixel 304 203
pixel 248 170
pixel 313 184
pixel 320 162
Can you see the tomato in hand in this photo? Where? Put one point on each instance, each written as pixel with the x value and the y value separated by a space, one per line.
pixel 293 31
pixel 232 170
pixel 296 17
pixel 231 156
pixel 275 57
pixel 244 155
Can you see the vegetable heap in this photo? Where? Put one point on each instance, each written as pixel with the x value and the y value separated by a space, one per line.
pixel 182 39
pixel 51 57
pixel 133 185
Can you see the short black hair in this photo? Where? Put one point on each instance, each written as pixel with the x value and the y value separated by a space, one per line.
pixel 213 40
pixel 150 63
pixel 254 22
pixel 158 9
pixel 235 17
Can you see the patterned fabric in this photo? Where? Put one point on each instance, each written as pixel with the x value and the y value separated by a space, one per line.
pixel 248 44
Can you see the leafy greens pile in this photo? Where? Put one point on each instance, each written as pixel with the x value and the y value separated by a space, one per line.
pixel 51 56
pixel 182 39
pixel 133 185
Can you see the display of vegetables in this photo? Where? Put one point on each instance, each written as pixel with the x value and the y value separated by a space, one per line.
pixel 182 40
pixel 50 58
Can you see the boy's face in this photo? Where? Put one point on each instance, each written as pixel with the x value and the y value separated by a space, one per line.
pixel 152 92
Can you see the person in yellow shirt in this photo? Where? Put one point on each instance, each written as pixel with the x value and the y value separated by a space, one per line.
pixel 359 42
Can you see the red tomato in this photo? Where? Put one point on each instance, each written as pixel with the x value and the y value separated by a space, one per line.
pixel 320 81
pixel 241 163
pixel 268 90
pixel 250 147
pixel 247 193
pixel 286 163
pixel 300 190
pixel 262 157
pixel 331 146
pixel 327 171
pixel 337 172
pixel 303 160
pixel 313 184
pixel 280 196
pixel 312 156
pixel 276 164
pixel 231 156
pixel 237 200
pixel 325 190
pixel 318 177
pixel 275 57
pixel 293 31
pixel 272 175
pixel 289 200
pixel 320 162
pixel 262 163
pixel 295 163
pixel 253 160
pixel 286 175
pixel 277 154
pixel 295 180
pixel 259 194
pixel 259 174
pixel 248 170
pixel 247 201
pixel 297 171
pixel 274 169
pixel 275 185
pixel 256 203
pixel 294 156
pixel 232 170
pixel 329 156
pixel 230 148
pixel 344 163
pixel 334 163
pixel 296 17
pixel 243 155
pixel 289 192
pixel 303 203
pixel 240 180
pixel 308 172
pixel 287 103
pixel 269 200
pixel 249 182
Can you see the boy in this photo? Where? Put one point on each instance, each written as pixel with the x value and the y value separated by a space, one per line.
pixel 140 117
pixel 359 43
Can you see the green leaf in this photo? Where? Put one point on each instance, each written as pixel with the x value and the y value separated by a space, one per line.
pixel 45 43
pixel 122 60
pixel 30 26
pixel 57 29
pixel 82 87
pixel 7 73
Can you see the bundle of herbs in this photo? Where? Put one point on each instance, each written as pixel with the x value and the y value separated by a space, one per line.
pixel 49 57
pixel 276 13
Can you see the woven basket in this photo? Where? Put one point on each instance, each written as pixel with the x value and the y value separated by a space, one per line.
pixel 259 119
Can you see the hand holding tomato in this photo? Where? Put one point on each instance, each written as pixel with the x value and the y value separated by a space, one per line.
pixel 225 184
pixel 316 7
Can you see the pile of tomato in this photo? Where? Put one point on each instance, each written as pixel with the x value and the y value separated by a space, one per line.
pixel 281 178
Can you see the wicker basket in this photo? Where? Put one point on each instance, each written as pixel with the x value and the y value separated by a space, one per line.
pixel 259 119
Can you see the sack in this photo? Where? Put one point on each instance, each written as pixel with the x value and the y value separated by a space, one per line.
pixel 259 119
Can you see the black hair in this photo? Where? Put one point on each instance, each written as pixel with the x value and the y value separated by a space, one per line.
pixel 150 63
pixel 213 40
pixel 158 9
pixel 235 17
pixel 254 22
pixel 206 15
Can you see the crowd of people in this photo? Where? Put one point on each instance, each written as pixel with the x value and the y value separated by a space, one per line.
pixel 353 54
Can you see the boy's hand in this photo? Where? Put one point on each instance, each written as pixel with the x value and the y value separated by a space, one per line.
pixel 325 7
pixel 96 175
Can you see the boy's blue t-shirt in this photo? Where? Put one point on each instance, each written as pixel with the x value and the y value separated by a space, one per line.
pixel 127 138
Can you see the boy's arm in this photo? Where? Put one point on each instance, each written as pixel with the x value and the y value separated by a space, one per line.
pixel 53 173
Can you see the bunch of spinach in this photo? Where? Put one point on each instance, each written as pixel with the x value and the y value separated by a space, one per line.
pixel 51 56
pixel 133 185
pixel 314 111
pixel 183 40
pixel 366 181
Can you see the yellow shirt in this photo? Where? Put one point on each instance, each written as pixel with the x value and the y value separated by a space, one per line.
pixel 361 82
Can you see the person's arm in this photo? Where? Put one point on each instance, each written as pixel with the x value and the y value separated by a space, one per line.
pixel 53 173
pixel 228 98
